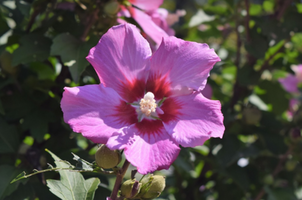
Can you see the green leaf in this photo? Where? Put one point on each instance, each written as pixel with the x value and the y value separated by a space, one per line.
pixel 292 20
pixel 59 189
pixel 254 99
pixel 257 1
pixel 268 6
pixel 229 72
pixel 199 18
pixel 229 152
pixel 232 2
pixel 73 53
pixel 37 122
pixel 6 63
pixel 91 185
pixel 280 194
pixel 276 74
pixel 7 173
pixel 44 72
pixel 63 192
pixel 59 162
pixel 72 185
pixel 273 29
pixel 34 47
pixel 9 139
pixel 247 76
pixel 297 41
pixel 183 164
pixel 102 192
pixel 82 164
pixel 17 105
pixel 279 104
pixel 299 7
pixel 31 190
pixel 23 7
pixel 259 45
pixel 255 9
pixel 3 26
pixel 274 142
pixel 239 175
pixel 270 121
pixel 20 176
pixel 217 9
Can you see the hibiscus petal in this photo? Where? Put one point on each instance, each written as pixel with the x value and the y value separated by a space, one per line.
pixel 147 5
pixel 207 91
pixel 120 57
pixel 199 119
pixel 149 27
pixel 298 71
pixel 159 17
pixel 186 64
pixel 147 152
pixel 90 110
pixel 290 83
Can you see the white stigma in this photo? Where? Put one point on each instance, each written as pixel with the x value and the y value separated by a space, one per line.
pixel 148 104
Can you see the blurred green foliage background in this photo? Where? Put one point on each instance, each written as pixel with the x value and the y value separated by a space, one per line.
pixel 43 46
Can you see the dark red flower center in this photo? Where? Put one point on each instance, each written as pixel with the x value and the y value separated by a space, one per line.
pixel 134 92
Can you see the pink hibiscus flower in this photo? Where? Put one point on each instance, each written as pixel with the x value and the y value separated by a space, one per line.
pixel 162 18
pixel 147 104
pixel 146 21
pixel 290 83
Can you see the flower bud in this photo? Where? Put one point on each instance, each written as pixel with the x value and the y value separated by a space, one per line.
pixel 106 158
pixel 152 186
pixel 268 179
pixel 130 188
pixel 111 7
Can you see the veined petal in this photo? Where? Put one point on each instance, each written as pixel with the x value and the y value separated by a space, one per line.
pixel 186 64
pixel 120 57
pixel 148 25
pixel 147 152
pixel 147 5
pixel 199 119
pixel 93 111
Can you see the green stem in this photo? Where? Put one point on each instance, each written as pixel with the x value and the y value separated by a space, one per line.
pixel 23 174
pixel 119 178
pixel 142 178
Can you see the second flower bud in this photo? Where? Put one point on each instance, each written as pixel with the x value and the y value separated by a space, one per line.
pixel 107 158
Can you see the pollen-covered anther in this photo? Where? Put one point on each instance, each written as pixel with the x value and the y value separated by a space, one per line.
pixel 148 104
